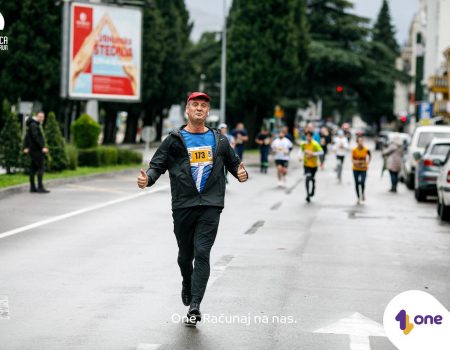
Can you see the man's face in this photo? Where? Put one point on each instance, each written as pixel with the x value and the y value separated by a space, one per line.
pixel 40 117
pixel 360 141
pixel 240 126
pixel 282 134
pixel 308 137
pixel 224 131
pixel 197 110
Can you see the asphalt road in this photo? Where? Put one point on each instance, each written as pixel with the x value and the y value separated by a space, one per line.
pixel 93 265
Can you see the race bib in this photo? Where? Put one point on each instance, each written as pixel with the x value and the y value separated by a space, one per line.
pixel 200 156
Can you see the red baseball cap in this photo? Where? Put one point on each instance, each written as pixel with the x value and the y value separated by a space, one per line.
pixel 200 95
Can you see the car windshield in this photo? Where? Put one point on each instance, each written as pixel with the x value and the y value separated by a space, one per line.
pixel 426 137
pixel 440 150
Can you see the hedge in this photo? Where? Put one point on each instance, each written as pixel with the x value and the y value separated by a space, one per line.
pixel 104 156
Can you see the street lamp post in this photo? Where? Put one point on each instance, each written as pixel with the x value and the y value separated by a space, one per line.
pixel 223 68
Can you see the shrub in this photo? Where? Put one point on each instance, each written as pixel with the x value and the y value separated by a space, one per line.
pixel 10 140
pixel 128 156
pixel 56 144
pixel 72 155
pixel 85 132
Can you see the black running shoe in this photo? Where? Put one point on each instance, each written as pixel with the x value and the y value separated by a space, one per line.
pixel 186 295
pixel 194 315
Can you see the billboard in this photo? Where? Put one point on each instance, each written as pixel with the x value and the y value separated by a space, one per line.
pixel 105 52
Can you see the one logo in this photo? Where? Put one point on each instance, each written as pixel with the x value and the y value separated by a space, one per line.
pixel 2 22
pixel 403 318
pixel 415 320
pixel 83 17
pixel 406 326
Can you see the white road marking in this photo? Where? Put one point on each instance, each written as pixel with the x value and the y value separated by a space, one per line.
pixel 94 188
pixel 148 346
pixel 358 327
pixel 79 212
pixel 4 307
pixel 219 268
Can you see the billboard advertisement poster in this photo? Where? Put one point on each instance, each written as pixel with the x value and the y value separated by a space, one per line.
pixel 105 52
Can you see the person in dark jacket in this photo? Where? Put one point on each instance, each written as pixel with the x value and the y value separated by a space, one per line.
pixel 35 147
pixel 195 156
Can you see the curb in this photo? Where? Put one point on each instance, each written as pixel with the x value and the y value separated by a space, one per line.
pixel 9 191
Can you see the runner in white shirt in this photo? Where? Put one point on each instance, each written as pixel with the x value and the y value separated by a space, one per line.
pixel 341 147
pixel 281 148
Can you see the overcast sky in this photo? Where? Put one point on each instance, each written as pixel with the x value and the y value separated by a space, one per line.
pixel 207 15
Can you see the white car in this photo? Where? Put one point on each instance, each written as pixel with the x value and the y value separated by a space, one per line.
pixel 443 190
pixel 420 139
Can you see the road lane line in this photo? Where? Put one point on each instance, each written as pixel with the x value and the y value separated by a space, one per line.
pixel 257 225
pixel 79 212
pixel 148 346
pixel 4 307
pixel 219 268
pixel 358 342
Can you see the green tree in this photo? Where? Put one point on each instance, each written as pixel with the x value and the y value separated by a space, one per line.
pixel 206 66
pixel 262 58
pixel 175 66
pixel 56 144
pixel 30 69
pixel 338 54
pixel 10 140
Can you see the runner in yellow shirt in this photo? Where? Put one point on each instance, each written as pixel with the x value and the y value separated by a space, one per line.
pixel 312 150
pixel 360 158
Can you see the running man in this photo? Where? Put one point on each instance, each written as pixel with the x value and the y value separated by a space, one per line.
pixel 195 156
pixel 361 158
pixel 340 147
pixel 281 148
pixel 312 150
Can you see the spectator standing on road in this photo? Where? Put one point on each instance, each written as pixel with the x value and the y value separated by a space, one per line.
pixel 312 150
pixel 281 148
pixel 394 154
pixel 195 156
pixel 35 147
pixel 240 134
pixel 264 140
pixel 361 159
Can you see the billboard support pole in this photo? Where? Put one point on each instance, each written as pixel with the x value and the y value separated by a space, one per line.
pixel 65 47
pixel 223 69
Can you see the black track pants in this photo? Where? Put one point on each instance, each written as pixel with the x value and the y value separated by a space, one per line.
pixel 195 229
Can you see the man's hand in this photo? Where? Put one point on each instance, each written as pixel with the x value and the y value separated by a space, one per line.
pixel 242 173
pixel 45 150
pixel 142 179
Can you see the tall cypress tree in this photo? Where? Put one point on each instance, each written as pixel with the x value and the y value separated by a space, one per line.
pixel 10 140
pixel 56 144
pixel 377 97
pixel 383 30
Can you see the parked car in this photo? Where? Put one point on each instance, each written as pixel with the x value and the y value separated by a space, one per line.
pixel 428 168
pixel 443 190
pixel 420 139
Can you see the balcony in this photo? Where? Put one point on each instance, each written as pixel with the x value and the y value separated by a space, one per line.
pixel 441 107
pixel 438 84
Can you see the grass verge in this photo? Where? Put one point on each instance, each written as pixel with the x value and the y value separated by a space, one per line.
pixel 18 179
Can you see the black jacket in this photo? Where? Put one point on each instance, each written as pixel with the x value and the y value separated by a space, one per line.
pixel 172 155
pixel 34 140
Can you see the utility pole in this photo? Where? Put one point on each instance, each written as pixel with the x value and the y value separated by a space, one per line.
pixel 223 70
